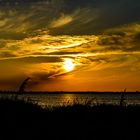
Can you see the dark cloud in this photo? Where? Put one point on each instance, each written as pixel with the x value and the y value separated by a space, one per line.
pixel 100 15
pixel 64 53
pixel 7 54
pixel 12 35
pixel 20 18
pixel 32 60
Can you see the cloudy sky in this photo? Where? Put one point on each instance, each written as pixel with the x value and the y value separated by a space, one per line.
pixel 68 45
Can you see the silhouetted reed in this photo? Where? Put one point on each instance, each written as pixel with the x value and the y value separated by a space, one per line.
pixel 123 98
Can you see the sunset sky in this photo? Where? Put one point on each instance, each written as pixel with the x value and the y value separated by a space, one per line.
pixel 70 45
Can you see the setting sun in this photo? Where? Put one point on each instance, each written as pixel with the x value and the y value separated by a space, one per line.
pixel 68 64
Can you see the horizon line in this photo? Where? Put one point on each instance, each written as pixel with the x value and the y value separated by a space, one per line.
pixel 14 91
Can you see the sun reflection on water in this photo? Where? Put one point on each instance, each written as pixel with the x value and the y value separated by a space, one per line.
pixel 68 98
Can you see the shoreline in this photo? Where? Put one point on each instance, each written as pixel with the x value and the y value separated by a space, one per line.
pixel 66 92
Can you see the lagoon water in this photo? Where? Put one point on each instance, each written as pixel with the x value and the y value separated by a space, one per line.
pixel 54 100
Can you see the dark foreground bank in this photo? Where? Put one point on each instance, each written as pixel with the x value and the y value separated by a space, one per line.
pixel 22 120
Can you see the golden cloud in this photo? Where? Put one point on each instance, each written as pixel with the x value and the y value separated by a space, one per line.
pixel 41 57
pixel 63 20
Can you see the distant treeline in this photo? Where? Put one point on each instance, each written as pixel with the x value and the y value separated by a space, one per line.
pixel 67 92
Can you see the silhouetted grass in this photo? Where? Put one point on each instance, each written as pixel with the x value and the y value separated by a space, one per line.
pixel 27 120
pixel 18 106
pixel 87 108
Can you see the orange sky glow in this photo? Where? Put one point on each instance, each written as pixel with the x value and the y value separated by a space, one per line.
pixel 67 46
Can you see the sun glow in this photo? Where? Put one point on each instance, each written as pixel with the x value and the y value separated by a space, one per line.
pixel 68 64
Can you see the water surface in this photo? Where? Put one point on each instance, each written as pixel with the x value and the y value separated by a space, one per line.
pixel 53 100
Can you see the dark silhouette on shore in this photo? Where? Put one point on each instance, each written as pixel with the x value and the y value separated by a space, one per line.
pixel 26 120
pixel 123 99
pixel 21 90
pixel 23 86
